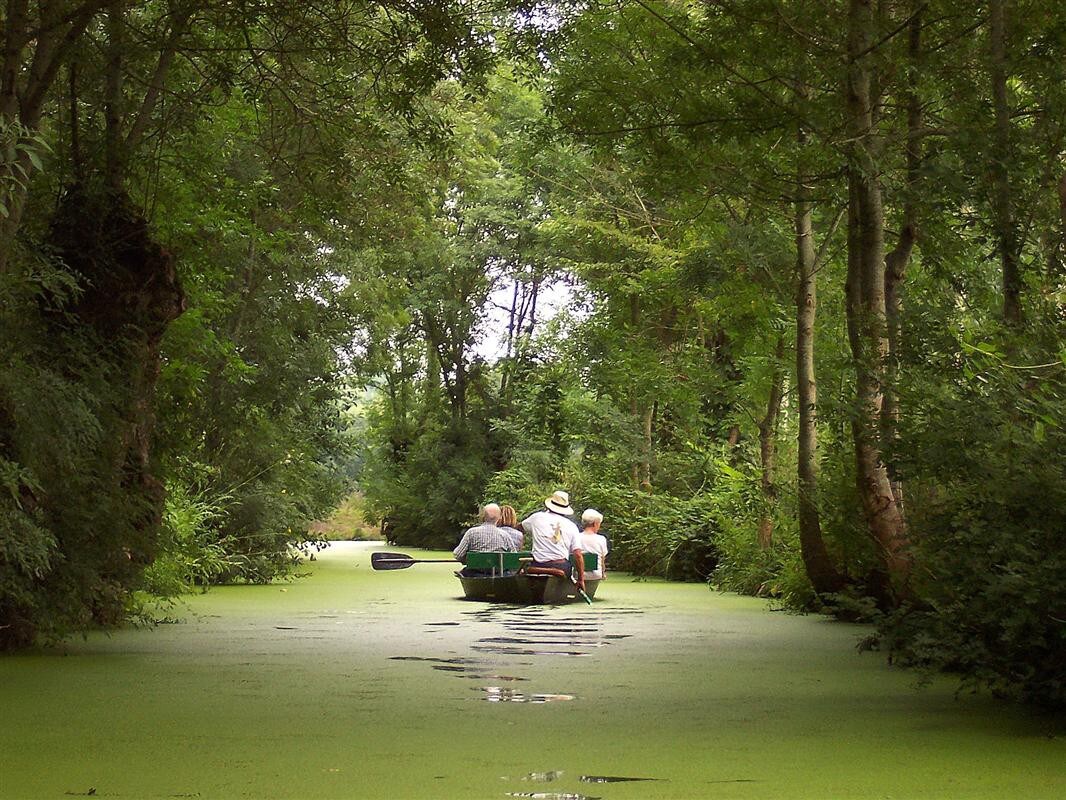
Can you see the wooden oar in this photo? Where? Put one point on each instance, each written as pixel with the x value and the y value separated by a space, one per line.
pixel 580 591
pixel 403 561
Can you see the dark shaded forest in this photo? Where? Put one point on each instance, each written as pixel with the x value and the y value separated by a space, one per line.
pixel 777 286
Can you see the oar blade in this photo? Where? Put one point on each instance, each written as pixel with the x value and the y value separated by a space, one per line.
pixel 391 561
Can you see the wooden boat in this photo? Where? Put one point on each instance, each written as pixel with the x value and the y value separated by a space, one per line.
pixel 497 577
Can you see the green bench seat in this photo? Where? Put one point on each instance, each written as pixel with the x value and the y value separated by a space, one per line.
pixel 510 562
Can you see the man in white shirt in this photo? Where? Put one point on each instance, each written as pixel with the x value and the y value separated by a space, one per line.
pixel 555 537
pixel 592 541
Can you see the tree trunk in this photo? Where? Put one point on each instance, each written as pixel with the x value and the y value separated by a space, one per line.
pixel 1007 239
pixel 433 381
pixel 634 468
pixel 823 575
pixel 865 294
pixel 768 448
pixel 647 445
pixel 131 294
pixel 114 168
pixel 733 438
pixel 1057 260
pixel 897 261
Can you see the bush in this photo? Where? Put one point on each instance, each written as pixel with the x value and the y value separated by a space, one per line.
pixel 74 537
pixel 988 507
pixel 432 491
pixel 776 572
pixel 192 555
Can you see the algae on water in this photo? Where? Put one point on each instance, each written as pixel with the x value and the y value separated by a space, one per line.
pixel 299 694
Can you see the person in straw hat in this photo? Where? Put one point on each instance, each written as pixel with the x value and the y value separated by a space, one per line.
pixel 555 536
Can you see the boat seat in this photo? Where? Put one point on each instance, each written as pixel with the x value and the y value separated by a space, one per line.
pixel 500 563
pixel 496 563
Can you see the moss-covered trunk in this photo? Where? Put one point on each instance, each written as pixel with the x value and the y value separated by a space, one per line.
pixel 131 294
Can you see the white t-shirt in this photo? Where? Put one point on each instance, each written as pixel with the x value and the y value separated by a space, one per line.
pixel 554 536
pixel 594 543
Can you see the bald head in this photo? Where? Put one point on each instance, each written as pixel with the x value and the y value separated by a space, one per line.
pixel 491 513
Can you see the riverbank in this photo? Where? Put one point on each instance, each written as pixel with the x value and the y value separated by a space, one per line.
pixel 347 683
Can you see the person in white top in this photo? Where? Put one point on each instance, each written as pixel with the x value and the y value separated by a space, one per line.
pixel 555 537
pixel 592 541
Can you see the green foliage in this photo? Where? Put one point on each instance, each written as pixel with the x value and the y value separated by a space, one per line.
pixel 192 554
pixel 989 502
pixel 21 151
pixel 776 572
pixel 430 493
pixel 73 539
pixel 27 549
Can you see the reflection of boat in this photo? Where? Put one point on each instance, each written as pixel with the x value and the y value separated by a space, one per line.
pixel 500 577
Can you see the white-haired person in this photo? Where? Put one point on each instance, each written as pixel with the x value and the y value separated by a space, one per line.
pixel 555 537
pixel 487 537
pixel 592 541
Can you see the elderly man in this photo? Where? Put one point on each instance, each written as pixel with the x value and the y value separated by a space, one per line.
pixel 486 537
pixel 556 537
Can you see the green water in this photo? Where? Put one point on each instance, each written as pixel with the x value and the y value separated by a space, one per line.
pixel 292 691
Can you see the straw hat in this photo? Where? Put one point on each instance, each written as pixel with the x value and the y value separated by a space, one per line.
pixel 559 502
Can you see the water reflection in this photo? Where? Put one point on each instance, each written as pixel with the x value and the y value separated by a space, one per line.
pixel 612 779
pixel 524 631
pixel 502 694
pixel 544 777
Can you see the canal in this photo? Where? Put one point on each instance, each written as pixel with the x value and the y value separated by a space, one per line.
pixel 350 683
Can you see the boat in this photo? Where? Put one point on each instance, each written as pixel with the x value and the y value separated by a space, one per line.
pixel 503 578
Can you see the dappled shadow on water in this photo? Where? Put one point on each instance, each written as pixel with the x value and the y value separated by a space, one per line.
pixel 476 674
pixel 471 668
pixel 518 651
pixel 434 660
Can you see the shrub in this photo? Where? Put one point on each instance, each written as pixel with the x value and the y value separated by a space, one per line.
pixel 988 508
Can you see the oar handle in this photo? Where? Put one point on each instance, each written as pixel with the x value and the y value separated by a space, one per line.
pixel 580 591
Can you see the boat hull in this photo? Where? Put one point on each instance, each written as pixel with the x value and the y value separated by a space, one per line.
pixel 523 589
